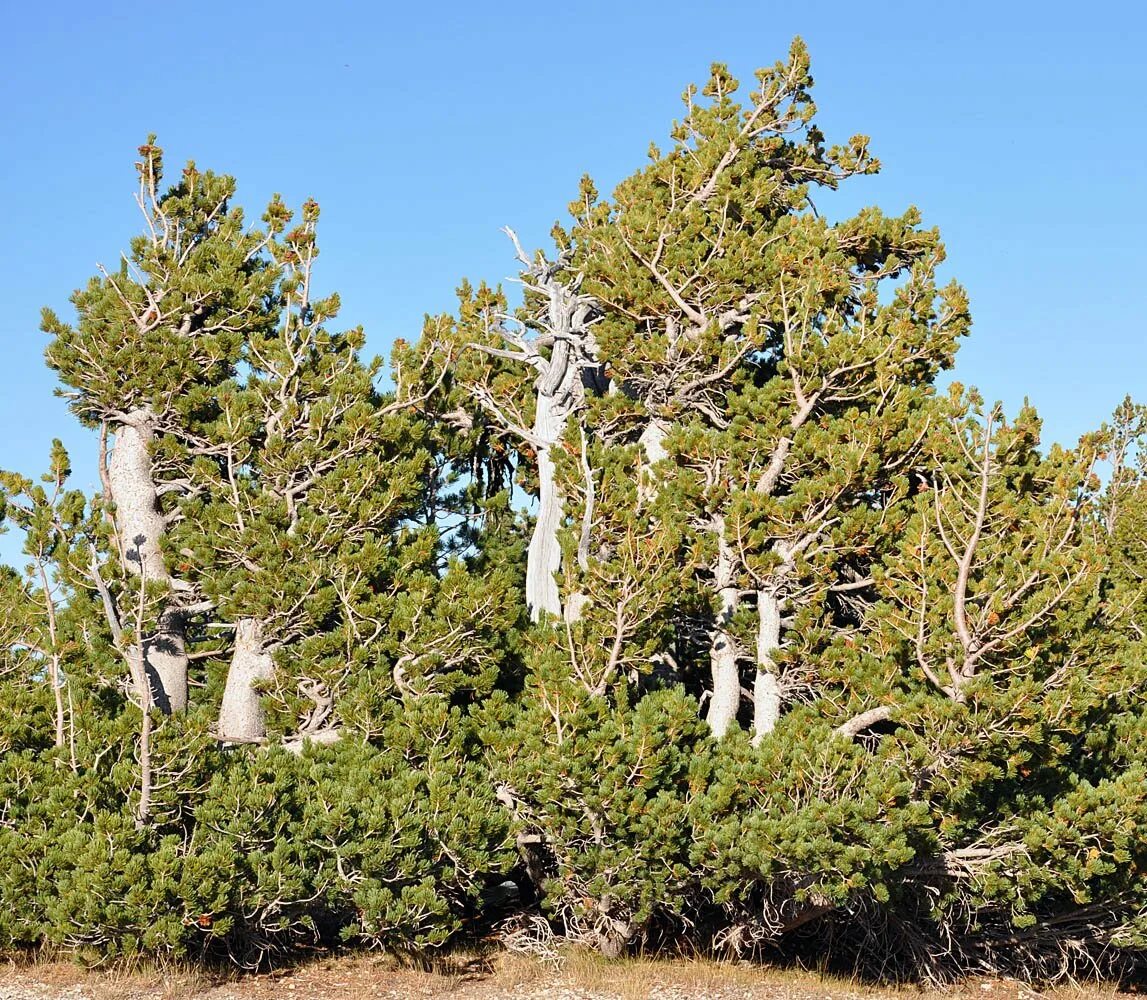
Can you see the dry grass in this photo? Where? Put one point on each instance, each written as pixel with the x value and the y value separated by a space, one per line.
pixel 122 981
pixel 581 975
pixel 641 977
pixel 637 978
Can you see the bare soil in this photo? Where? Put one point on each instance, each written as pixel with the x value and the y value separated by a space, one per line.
pixel 579 977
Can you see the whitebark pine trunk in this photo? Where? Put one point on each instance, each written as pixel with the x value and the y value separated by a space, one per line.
pixel 544 556
pixel 137 665
pixel 653 450
pixel 726 697
pixel 140 526
pixel 766 686
pixel 560 393
pixel 563 377
pixel 241 716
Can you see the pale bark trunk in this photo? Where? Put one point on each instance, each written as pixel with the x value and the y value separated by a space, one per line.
pixel 54 672
pixel 57 691
pixel 576 604
pixel 544 556
pixel 139 522
pixel 136 664
pixel 241 716
pixel 723 663
pixel 653 441
pixel 143 813
pixel 165 656
pixel 766 687
pixel 653 450
pixel 563 377
pixel 322 738
pixel 726 697
pixel 140 526
pixel 859 723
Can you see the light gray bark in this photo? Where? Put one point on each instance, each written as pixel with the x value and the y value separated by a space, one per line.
pixel 859 723
pixel 55 674
pixel 576 604
pixel 241 716
pixel 544 556
pixel 136 664
pixel 653 441
pixel 653 450
pixel 140 526
pixel 139 523
pixel 766 686
pixel 726 698
pixel 322 737
pixel 564 374
pixel 165 659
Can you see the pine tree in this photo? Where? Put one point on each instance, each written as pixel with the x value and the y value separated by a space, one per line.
pixel 459 630
pixel 281 521
pixel 155 339
pixel 54 521
pixel 993 607
pixel 762 360
pixel 291 503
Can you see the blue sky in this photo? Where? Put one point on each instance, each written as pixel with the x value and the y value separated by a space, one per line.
pixel 1020 129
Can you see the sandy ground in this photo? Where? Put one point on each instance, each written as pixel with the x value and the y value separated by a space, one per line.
pixel 584 978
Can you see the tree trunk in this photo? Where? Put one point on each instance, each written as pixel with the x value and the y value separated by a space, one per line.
pixel 139 522
pixel 136 664
pixel 165 659
pixel 766 687
pixel 564 375
pixel 544 556
pixel 241 716
pixel 652 443
pixel 54 673
pixel 140 526
pixel 722 647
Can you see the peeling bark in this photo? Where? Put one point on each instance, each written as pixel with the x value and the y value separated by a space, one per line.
pixel 140 526
pixel 241 716
pixel 766 686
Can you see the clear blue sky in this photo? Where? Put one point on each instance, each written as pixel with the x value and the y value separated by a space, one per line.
pixel 1019 128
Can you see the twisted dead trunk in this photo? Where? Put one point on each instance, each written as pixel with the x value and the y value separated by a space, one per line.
pixel 544 555
pixel 140 527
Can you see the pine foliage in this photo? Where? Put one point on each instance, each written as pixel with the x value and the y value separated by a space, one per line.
pixel 678 606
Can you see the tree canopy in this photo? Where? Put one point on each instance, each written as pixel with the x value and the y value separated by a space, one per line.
pixel 681 605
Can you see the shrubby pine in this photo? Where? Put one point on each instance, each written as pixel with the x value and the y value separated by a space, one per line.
pixel 676 606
